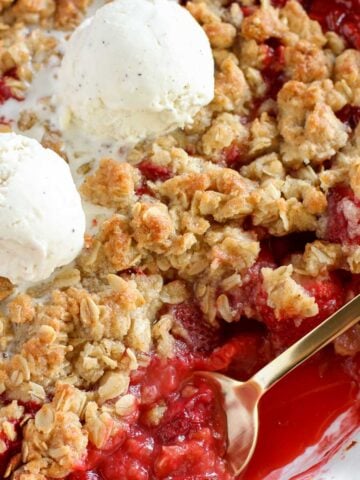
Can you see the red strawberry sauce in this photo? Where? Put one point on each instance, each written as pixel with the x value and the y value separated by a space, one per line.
pixel 5 90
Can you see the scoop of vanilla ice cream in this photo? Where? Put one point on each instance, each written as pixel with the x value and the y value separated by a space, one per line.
pixel 42 222
pixel 136 69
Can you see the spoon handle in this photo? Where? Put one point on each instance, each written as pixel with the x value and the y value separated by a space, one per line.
pixel 304 348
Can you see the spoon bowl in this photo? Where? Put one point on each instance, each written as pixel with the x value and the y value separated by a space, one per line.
pixel 240 402
pixel 241 399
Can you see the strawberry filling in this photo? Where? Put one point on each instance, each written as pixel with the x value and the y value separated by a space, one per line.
pixel 343 216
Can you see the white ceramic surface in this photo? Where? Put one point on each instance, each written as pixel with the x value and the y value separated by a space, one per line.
pixel 335 457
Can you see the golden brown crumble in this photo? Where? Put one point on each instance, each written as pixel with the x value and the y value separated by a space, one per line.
pixel 232 91
pixel 21 53
pixel 248 166
pixel 263 24
pixel 285 295
pixel 55 441
pixel 112 185
pixel 300 25
pixel 346 70
pixel 306 62
pixel 47 13
pixel 307 122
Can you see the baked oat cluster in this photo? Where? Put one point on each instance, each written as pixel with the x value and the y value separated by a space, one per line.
pixel 273 156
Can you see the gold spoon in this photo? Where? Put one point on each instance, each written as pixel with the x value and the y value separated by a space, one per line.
pixel 241 399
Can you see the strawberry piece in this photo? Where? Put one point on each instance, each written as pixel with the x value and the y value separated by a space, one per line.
pixel 241 356
pixel 343 216
pixel 154 172
pixel 273 68
pixel 349 115
pixel 188 413
pixel 246 298
pixel 200 336
pixel 329 295
pixel 339 16
pixel 5 91
pixel 236 155
pixel 250 299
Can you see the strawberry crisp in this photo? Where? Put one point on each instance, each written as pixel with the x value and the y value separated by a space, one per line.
pixel 223 243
